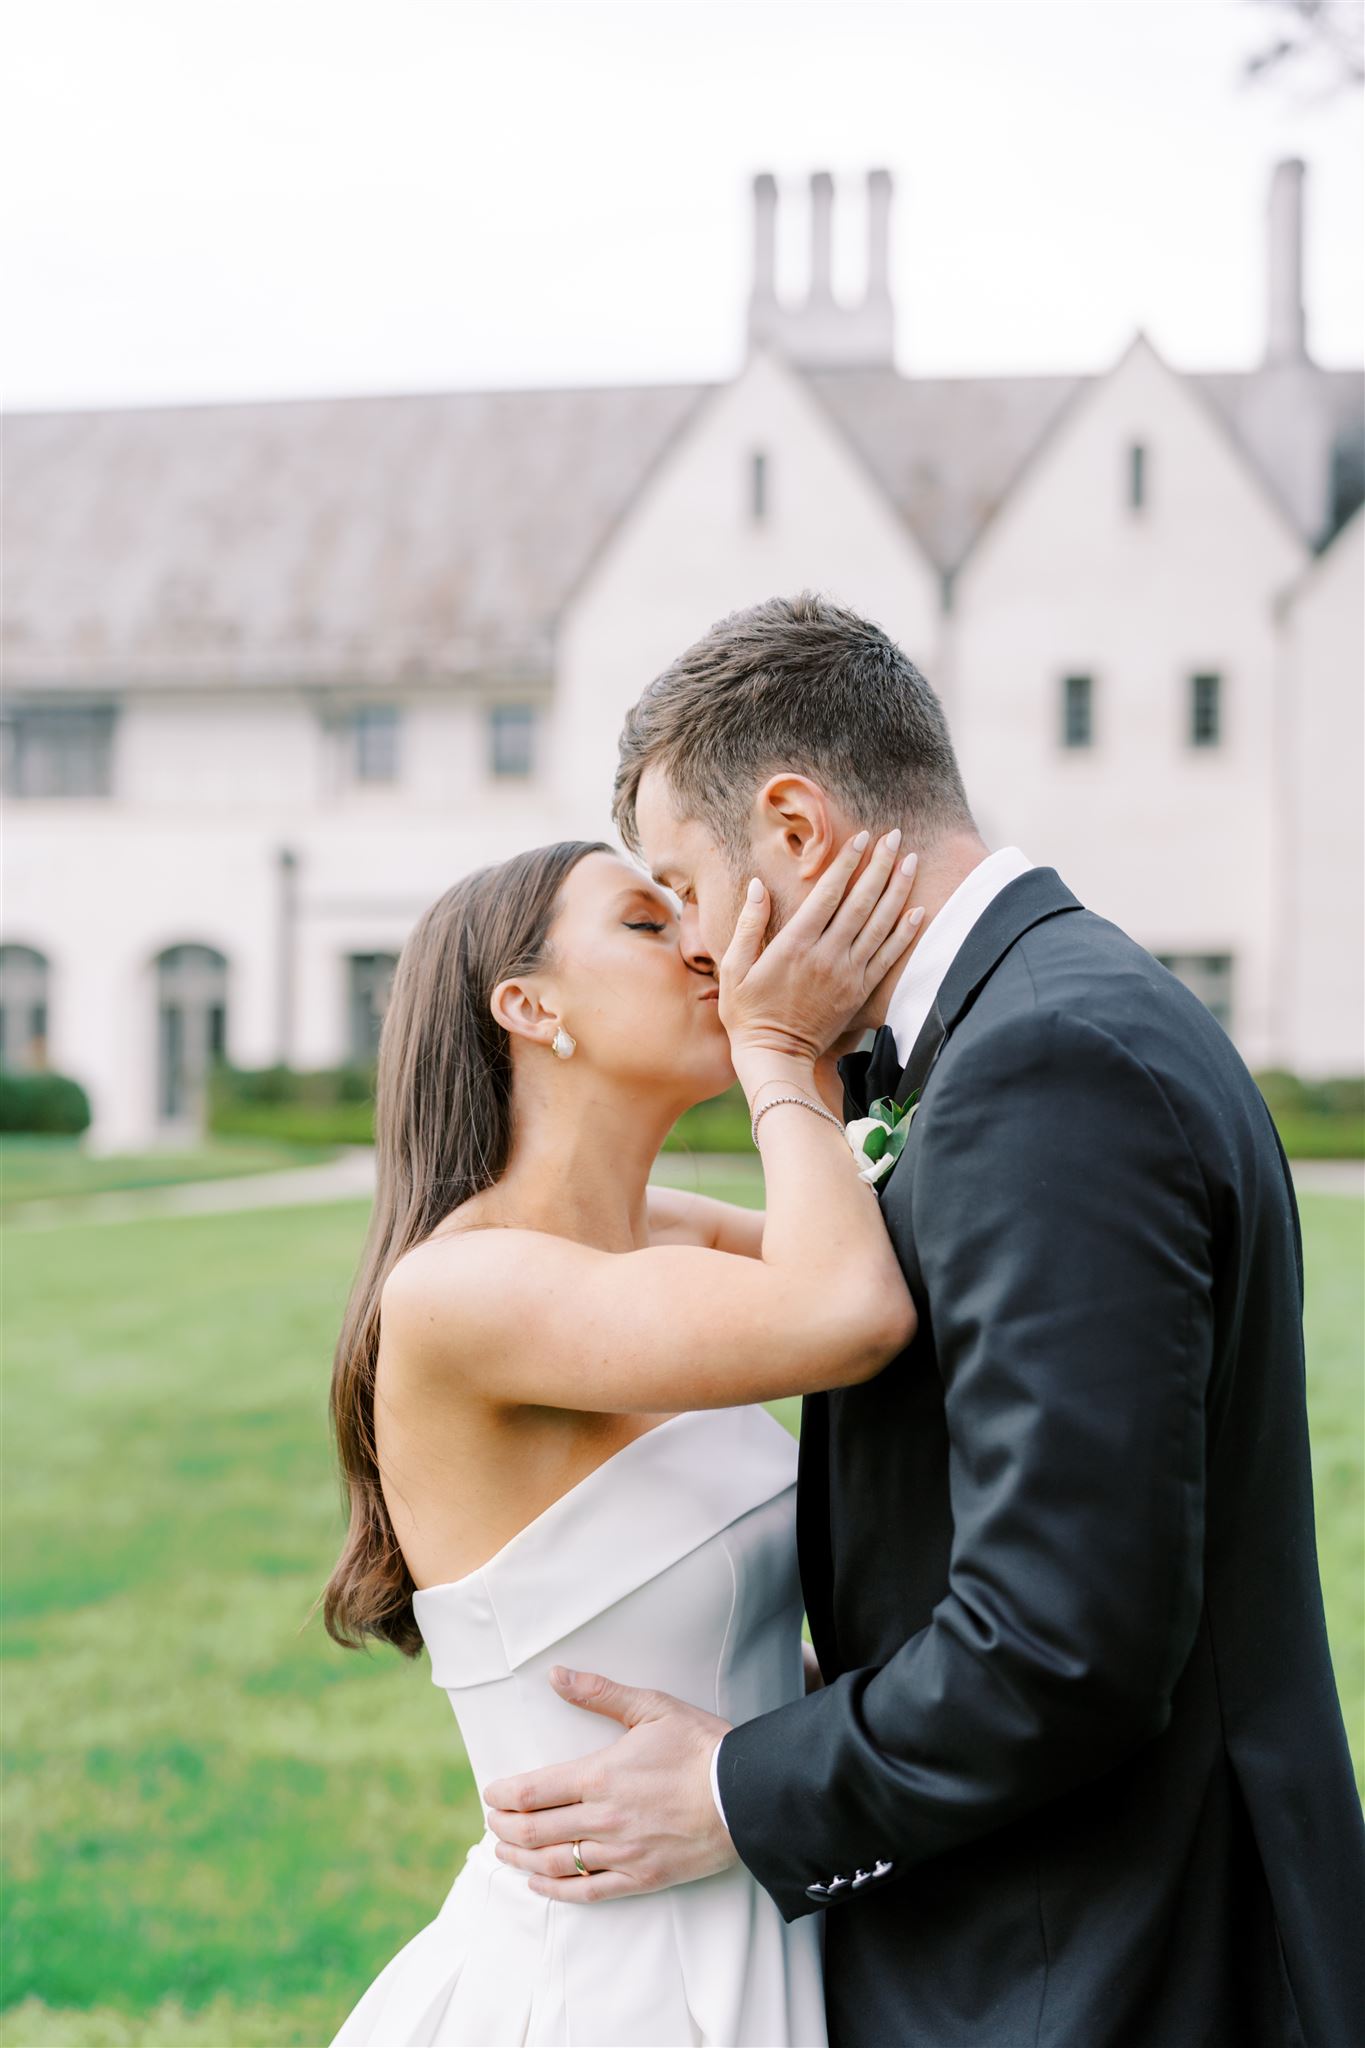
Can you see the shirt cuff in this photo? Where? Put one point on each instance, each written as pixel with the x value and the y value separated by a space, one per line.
pixel 715 1785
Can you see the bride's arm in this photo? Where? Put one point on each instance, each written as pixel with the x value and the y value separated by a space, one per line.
pixel 532 1319
pixel 677 1216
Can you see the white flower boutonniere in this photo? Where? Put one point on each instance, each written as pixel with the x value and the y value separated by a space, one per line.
pixel 878 1139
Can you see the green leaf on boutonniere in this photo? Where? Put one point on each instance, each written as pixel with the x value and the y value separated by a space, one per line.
pixel 878 1139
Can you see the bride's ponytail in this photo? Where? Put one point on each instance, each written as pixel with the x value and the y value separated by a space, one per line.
pixel 443 1132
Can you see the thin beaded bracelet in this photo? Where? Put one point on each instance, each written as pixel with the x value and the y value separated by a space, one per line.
pixel 805 1103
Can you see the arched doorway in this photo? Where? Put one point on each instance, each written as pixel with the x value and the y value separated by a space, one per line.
pixel 191 993
pixel 23 1009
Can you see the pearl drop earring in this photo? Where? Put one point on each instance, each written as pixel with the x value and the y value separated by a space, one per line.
pixel 562 1046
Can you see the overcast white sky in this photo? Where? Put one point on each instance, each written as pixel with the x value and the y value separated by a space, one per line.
pixel 232 198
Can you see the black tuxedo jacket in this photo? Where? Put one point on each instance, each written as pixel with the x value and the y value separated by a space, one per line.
pixel 1077 1777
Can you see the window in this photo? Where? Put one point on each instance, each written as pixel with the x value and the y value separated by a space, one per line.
pixel 758 486
pixel 1208 976
pixel 1206 711
pixel 1137 475
pixel 191 1028
pixel 370 976
pixel 1078 711
pixel 23 1009
pixel 58 750
pixel 512 740
pixel 374 743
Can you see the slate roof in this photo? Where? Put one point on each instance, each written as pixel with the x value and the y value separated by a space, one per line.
pixel 401 538
pixel 379 537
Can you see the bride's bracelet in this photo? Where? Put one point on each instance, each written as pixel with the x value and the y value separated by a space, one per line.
pixel 803 1100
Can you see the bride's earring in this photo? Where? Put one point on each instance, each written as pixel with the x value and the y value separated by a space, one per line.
pixel 562 1046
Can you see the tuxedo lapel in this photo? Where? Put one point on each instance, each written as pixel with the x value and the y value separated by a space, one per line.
pixel 1028 901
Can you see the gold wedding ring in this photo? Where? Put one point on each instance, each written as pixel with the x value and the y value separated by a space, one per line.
pixel 579 1865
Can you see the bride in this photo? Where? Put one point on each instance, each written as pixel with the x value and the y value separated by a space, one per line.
pixel 547 1393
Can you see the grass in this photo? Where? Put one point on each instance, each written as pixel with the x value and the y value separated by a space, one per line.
pixel 219 1826
pixel 44 1169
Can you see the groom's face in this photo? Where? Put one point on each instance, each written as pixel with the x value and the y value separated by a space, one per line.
pixel 683 855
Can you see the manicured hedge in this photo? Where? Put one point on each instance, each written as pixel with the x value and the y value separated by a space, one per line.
pixel 335 1106
pixel 330 1106
pixel 50 1105
pixel 1316 1119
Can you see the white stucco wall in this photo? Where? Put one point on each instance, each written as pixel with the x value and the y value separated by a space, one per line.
pixel 1321 905
pixel 1177 844
pixel 691 551
pixel 206 793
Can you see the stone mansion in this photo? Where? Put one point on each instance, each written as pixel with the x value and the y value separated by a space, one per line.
pixel 276 674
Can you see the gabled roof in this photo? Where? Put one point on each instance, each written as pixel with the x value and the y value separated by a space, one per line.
pixel 383 537
pixel 945 449
pixel 392 539
pixel 949 450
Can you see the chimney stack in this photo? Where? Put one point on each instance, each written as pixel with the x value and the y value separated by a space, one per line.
pixel 763 312
pixel 879 236
pixel 1286 336
pixel 820 334
pixel 821 239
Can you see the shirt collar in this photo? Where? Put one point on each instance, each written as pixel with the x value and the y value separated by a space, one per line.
pixel 914 994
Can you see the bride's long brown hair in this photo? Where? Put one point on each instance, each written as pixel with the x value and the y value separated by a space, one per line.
pixel 443 1132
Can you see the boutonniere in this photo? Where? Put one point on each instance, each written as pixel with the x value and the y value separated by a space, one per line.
pixel 878 1139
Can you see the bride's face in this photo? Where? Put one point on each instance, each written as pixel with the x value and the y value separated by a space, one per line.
pixel 640 1002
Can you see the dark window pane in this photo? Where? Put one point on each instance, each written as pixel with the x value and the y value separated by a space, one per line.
pixel 1078 711
pixel 759 486
pixel 375 731
pixel 58 750
pixel 512 731
pixel 1137 476
pixel 1205 711
pixel 1208 976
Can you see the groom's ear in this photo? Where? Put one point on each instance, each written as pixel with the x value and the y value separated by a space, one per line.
pixel 517 1007
pixel 795 823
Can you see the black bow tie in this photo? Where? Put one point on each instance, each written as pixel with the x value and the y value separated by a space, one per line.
pixel 869 1075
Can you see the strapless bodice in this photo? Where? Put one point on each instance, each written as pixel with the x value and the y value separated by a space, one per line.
pixel 671 1565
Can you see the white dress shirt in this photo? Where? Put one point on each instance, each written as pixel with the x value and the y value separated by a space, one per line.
pixel 915 993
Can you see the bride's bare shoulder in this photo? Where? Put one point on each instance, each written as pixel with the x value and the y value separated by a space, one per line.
pixel 470 1274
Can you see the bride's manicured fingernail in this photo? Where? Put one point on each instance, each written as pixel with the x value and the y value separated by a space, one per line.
pixel 861 841
pixel 910 863
pixel 755 889
pixel 893 839
pixel 917 916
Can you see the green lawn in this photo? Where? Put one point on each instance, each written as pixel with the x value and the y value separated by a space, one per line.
pixel 218 1826
pixel 41 1169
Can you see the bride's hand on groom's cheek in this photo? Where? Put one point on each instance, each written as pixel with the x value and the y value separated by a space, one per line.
pixel 640 1810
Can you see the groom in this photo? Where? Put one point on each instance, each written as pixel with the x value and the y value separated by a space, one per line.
pixel 1076 1774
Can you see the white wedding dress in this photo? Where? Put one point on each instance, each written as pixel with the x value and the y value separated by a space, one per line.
pixel 672 1565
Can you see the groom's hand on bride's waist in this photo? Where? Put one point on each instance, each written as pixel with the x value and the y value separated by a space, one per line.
pixel 640 1810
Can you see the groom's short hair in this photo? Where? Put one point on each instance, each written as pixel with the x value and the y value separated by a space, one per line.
pixel 803 684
